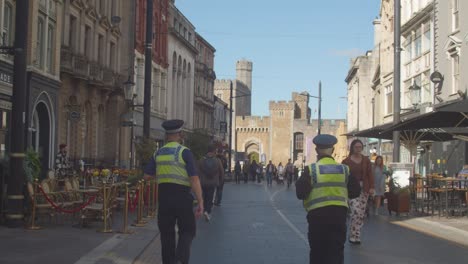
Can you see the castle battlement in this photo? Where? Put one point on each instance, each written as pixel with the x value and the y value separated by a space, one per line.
pixel 281 105
pixel 222 84
pixel 252 121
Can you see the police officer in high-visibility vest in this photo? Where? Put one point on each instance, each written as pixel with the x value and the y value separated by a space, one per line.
pixel 174 167
pixel 325 189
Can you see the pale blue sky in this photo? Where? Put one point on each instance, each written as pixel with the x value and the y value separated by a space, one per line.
pixel 292 44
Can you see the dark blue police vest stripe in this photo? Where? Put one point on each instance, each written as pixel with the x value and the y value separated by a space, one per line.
pixel 166 151
pixel 314 174
pixel 331 169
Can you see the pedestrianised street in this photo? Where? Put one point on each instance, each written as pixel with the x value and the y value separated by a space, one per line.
pixel 256 224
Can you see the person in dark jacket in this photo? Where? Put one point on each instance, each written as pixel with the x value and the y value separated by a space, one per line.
pixel 325 189
pixel 237 171
pixel 211 172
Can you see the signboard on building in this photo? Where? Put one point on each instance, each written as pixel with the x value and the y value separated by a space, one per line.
pixel 74 113
pixel 6 77
pixel 223 127
pixel 402 172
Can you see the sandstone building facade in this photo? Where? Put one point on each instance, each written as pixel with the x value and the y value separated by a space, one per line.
pixel 286 134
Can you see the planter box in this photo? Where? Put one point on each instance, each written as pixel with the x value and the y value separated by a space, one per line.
pixel 398 202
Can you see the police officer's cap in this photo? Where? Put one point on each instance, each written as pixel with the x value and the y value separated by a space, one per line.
pixel 325 141
pixel 173 126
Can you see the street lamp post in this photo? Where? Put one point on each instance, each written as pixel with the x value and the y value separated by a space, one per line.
pixel 230 121
pixel 319 97
pixel 148 69
pixel 15 180
pixel 396 78
pixel 130 98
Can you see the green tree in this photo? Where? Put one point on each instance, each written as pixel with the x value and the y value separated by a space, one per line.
pixel 145 149
pixel 198 142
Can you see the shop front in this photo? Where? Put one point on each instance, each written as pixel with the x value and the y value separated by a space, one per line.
pixel 6 86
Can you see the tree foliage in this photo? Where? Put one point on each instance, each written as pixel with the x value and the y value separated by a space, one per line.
pixel 198 142
pixel 145 149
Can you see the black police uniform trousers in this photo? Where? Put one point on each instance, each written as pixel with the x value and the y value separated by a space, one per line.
pixel 327 234
pixel 175 206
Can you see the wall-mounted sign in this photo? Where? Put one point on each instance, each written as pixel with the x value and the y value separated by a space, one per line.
pixel 5 105
pixel 223 127
pixel 75 115
pixel 6 77
pixel 74 112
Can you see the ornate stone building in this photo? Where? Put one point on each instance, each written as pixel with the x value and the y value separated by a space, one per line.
pixel 43 70
pixel 182 53
pixel 91 100
pixel 204 86
pixel 159 67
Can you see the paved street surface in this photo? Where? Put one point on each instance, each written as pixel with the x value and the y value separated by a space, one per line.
pixel 256 224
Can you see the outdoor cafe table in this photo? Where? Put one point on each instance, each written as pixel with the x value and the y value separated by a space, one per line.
pixel 445 182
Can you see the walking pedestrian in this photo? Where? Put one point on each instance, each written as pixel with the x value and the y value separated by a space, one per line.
pixel 289 172
pixel 360 167
pixel 325 188
pixel 380 176
pixel 253 170
pixel 237 171
pixel 175 171
pixel 245 170
pixel 270 169
pixel 220 187
pixel 211 173
pixel 62 163
pixel 280 173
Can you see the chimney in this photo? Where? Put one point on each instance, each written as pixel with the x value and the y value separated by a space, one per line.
pixel 377 31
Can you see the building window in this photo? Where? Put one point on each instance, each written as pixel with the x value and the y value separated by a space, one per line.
pixel 455 15
pixel 388 99
pixel 299 141
pixel 50 48
pixel 408 52
pixel 7 24
pixel 427 41
pixel 40 43
pixel 101 49
pixel 72 37
pixel 417 46
pixel 112 55
pixel 456 72
pixel 87 42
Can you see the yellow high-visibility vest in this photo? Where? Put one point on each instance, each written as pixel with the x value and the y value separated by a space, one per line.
pixel 170 166
pixel 329 184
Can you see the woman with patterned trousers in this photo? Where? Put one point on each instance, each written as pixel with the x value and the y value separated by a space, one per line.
pixel 360 168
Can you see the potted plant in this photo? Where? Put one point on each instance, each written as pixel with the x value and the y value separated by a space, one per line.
pixel 32 165
pixel 398 199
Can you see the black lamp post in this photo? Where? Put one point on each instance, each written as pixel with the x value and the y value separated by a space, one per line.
pixel 319 97
pixel 129 119
pixel 230 121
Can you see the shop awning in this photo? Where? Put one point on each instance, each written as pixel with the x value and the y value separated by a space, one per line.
pixel 451 115
pixel 373 132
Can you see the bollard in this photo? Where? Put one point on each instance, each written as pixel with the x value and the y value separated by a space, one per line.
pixel 153 198
pixel 139 221
pixel 33 225
pixel 125 228
pixel 105 213
pixel 148 199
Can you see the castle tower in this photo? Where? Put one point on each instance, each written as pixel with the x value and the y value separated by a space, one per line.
pixel 244 73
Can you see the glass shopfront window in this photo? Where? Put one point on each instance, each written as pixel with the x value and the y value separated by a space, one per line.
pixel 4 135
